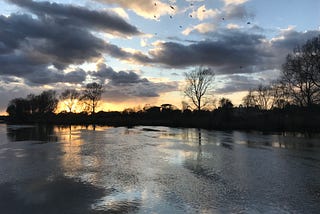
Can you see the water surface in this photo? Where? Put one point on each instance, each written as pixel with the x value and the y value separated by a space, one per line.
pixel 74 169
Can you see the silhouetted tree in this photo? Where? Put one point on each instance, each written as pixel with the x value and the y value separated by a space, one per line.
pixel 199 84
pixel 18 107
pixel 249 100
pixel 301 73
pixel 264 97
pixel 279 95
pixel 47 101
pixel 267 97
pixel 225 103
pixel 70 98
pixel 44 103
pixel 92 95
pixel 33 101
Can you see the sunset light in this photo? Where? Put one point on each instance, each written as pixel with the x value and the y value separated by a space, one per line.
pixel 128 46
pixel 159 106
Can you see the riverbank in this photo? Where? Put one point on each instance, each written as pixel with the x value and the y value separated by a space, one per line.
pixel 295 119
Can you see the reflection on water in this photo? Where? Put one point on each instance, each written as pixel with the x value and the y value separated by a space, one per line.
pixel 31 133
pixel 156 170
pixel 51 195
pixel 122 202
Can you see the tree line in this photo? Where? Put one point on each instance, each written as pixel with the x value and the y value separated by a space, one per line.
pixel 47 102
pixel 298 84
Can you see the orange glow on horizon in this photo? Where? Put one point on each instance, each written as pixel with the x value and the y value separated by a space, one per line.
pixel 3 113
pixel 170 97
pixel 174 98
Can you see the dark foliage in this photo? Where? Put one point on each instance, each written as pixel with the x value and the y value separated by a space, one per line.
pixel 92 95
pixel 27 109
pixel 290 118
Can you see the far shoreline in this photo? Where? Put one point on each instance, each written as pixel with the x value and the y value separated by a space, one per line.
pixel 300 120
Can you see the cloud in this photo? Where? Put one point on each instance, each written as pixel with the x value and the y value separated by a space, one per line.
pixel 234 11
pixel 34 44
pixel 231 51
pixel 227 51
pixel 233 26
pixel 203 13
pixel 122 54
pixel 34 71
pixel 124 85
pixel 143 42
pixel 236 83
pixel 43 46
pixel 287 40
pixel 54 76
pixel 80 16
pixel 144 8
pixel 121 12
pixel 201 28
pixel 117 78
pixel 235 2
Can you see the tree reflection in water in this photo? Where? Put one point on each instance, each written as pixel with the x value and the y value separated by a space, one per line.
pixel 43 134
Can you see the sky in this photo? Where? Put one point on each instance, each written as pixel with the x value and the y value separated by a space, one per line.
pixel 140 49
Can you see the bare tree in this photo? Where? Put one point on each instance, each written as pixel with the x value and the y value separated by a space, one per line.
pixel 199 84
pixel 264 97
pixel 279 95
pixel 70 98
pixel 301 73
pixel 92 95
pixel 250 99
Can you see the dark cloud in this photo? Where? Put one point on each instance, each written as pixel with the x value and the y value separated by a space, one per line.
pixel 125 85
pixel 119 53
pixel 235 83
pixel 44 41
pixel 117 78
pixel 54 76
pixel 120 93
pixel 231 51
pixel 227 51
pixel 31 45
pixel 290 39
pixel 79 16
pixel 39 48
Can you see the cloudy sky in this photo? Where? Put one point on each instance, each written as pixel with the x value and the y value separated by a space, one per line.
pixel 139 49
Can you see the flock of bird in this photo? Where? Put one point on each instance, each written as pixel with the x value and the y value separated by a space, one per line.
pixel 191 4
pixel 180 26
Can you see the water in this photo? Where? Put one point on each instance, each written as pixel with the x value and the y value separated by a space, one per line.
pixel 156 170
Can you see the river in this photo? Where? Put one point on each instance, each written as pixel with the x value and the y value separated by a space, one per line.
pixel 79 169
